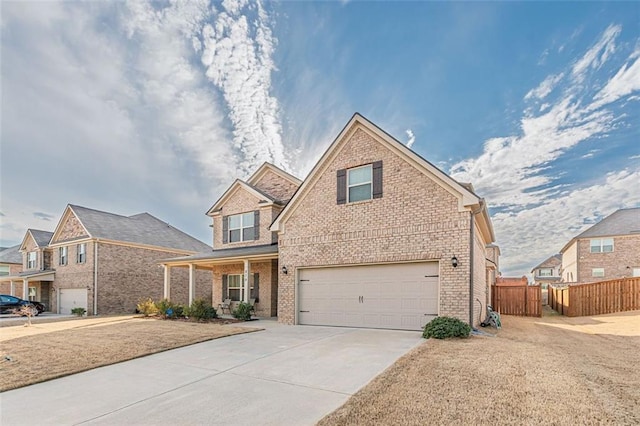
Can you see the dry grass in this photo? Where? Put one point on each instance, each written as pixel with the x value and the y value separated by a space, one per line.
pixel 42 357
pixel 551 370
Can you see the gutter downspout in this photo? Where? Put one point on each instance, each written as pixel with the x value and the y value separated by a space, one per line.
pixel 95 277
pixel 474 213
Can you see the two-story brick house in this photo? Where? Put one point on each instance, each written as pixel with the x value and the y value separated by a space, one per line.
pixel 548 272
pixel 103 262
pixel 375 236
pixel 609 249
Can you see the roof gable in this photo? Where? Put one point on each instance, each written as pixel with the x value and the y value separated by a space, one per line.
pixel 141 229
pixel 467 200
pixel 550 262
pixel 40 238
pixel 11 255
pixel 275 182
pixel 270 168
pixel 239 185
pixel 620 222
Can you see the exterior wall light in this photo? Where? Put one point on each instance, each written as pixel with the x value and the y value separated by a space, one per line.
pixel 454 261
pixel 285 270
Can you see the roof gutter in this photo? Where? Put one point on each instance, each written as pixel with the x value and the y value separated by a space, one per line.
pixel 474 213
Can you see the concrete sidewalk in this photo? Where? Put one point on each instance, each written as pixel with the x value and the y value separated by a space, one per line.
pixel 284 375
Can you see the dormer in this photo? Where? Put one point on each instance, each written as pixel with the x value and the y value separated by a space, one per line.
pixel 35 256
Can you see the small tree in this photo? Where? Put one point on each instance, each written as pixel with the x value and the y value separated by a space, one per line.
pixel 147 307
pixel 26 311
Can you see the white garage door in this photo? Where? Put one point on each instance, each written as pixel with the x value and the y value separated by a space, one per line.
pixel 396 296
pixel 72 298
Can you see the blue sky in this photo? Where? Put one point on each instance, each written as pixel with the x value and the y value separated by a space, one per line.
pixel 159 106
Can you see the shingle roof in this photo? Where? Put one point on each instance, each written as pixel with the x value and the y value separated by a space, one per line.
pixel 550 262
pixel 42 237
pixel 233 252
pixel 621 222
pixel 141 228
pixel 11 255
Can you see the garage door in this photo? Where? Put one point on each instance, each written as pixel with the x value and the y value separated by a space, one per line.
pixel 72 298
pixel 395 296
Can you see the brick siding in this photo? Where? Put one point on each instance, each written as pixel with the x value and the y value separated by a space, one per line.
pixel 276 186
pixel 626 253
pixel 265 307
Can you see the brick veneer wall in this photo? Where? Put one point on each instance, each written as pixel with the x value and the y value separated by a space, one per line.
pixel 416 219
pixel 276 186
pixel 267 285
pixel 244 202
pixel 73 275
pixel 626 253
pixel 70 229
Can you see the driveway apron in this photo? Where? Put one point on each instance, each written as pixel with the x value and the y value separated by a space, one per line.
pixel 283 375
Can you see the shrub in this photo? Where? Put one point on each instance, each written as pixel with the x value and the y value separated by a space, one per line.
pixel 243 311
pixel 445 327
pixel 79 311
pixel 147 307
pixel 200 309
pixel 166 308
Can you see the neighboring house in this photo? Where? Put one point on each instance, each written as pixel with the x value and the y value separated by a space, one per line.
pixel 548 272
pixel 104 262
pixel 376 236
pixel 609 249
pixel 10 264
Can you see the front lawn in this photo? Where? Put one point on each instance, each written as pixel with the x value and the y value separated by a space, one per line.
pixel 550 370
pixel 36 358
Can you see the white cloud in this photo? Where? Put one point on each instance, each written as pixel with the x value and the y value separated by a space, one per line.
pixel 626 81
pixel 545 87
pixel 237 51
pixel 411 138
pixel 598 54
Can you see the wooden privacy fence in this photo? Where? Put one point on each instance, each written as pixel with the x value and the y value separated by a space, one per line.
pixel 522 300
pixel 604 297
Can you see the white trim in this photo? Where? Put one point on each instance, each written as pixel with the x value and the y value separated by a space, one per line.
pixel 68 210
pixel 370 182
pixel 231 191
pixel 257 175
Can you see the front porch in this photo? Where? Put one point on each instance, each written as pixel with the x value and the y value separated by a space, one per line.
pixel 243 274
pixel 33 286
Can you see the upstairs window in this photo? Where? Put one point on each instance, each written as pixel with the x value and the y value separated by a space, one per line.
pixel 81 253
pixel 62 256
pixel 359 183
pixel 597 272
pixel 31 260
pixel 241 227
pixel 4 270
pixel 602 245
pixel 545 272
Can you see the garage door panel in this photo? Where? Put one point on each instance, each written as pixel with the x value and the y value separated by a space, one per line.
pixel 72 298
pixel 395 296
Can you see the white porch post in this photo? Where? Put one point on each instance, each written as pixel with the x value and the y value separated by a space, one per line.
pixel 25 289
pixel 12 288
pixel 247 274
pixel 192 283
pixel 167 282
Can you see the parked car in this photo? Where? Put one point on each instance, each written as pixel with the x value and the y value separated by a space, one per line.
pixel 8 304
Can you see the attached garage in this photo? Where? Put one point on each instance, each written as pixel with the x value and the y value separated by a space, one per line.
pixel 402 296
pixel 72 298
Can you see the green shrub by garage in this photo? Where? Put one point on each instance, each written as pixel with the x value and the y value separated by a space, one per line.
pixel 446 327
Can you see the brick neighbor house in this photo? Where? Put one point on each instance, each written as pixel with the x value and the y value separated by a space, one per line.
pixel 548 272
pixel 103 262
pixel 375 236
pixel 609 249
pixel 10 264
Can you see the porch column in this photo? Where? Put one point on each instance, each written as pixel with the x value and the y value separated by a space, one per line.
pixel 12 288
pixel 247 274
pixel 25 289
pixel 167 281
pixel 192 283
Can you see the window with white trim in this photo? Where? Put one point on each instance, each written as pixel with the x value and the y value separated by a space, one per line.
pixel 597 272
pixel 81 253
pixel 545 272
pixel 235 287
pixel 360 184
pixel 636 272
pixel 602 245
pixel 63 255
pixel 31 260
pixel 241 227
pixel 32 294
pixel 4 270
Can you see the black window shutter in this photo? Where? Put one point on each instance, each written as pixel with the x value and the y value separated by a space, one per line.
pixel 377 179
pixel 255 293
pixel 224 286
pixel 225 229
pixel 342 186
pixel 256 225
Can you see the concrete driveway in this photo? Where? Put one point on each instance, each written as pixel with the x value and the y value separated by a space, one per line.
pixel 284 375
